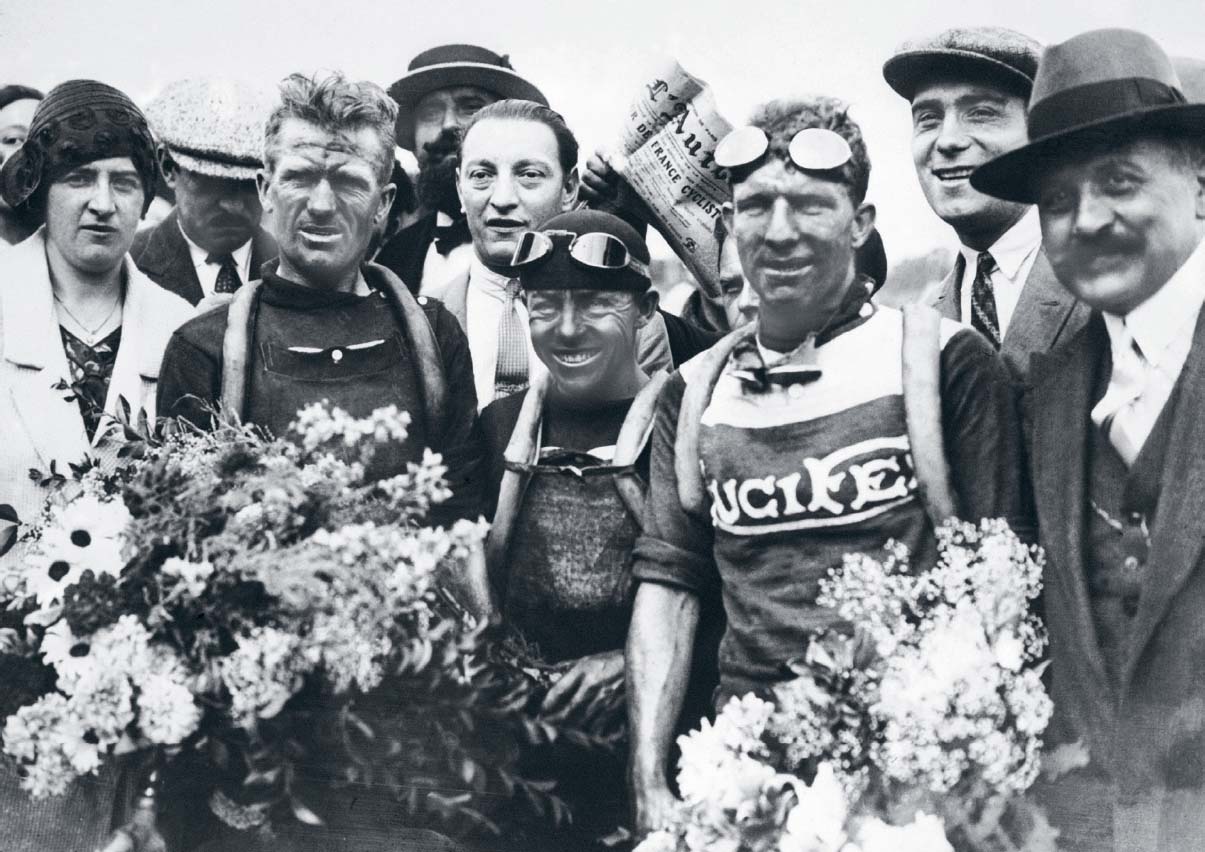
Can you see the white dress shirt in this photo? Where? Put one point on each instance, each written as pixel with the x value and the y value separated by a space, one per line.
pixel 441 269
pixel 483 308
pixel 1014 253
pixel 207 273
pixel 1143 378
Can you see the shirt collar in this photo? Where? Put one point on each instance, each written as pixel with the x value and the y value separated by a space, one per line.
pixel 1015 246
pixel 200 257
pixel 488 281
pixel 1164 322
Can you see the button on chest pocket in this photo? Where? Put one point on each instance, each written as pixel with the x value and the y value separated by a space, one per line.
pixel 335 363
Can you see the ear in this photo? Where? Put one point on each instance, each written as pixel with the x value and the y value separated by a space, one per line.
pixel 569 190
pixel 863 224
pixel 646 304
pixel 263 179
pixel 167 166
pixel 388 191
pixel 728 212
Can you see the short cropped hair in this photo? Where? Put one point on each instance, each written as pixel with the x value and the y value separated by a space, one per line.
pixel 782 119
pixel 513 108
pixel 335 103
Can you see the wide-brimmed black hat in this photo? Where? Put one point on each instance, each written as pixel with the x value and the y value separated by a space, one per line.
pixel 1005 56
pixel 1097 82
pixel 456 65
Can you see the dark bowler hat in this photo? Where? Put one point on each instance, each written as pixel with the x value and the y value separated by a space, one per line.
pixel 1103 80
pixel 1007 56
pixel 456 65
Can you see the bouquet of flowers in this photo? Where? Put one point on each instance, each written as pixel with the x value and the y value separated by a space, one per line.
pixel 919 729
pixel 274 617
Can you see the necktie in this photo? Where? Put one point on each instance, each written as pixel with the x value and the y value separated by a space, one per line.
pixel 228 280
pixel 983 300
pixel 510 374
pixel 1116 413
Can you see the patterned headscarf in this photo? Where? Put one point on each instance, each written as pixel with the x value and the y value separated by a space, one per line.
pixel 78 122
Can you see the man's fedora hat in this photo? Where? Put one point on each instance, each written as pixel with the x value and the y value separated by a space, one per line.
pixel 456 65
pixel 995 53
pixel 1098 81
pixel 212 127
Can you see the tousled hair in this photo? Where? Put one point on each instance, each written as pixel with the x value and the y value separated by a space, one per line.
pixel 335 103
pixel 513 108
pixel 782 119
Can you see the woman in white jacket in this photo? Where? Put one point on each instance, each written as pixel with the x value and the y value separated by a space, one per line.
pixel 80 329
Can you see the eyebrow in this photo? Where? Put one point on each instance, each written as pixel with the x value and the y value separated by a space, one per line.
pixel 961 101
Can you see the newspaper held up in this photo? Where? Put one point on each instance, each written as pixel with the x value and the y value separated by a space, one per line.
pixel 667 155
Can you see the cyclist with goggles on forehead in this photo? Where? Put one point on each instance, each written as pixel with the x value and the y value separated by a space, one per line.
pixel 566 466
pixel 829 426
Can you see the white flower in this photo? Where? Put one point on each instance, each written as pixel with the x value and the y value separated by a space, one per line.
pixel 925 833
pixel 87 534
pixel 1009 651
pixel 262 674
pixel 167 711
pixel 817 822
pixel 658 841
pixel 192 574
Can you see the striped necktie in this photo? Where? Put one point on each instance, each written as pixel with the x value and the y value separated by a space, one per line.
pixel 510 374
pixel 983 301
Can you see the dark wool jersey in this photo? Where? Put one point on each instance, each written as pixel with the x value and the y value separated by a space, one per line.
pixel 309 345
pixel 799 475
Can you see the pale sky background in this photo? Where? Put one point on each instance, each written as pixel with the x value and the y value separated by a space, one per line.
pixel 587 57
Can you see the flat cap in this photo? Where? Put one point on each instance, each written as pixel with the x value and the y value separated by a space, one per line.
pixel 998 53
pixel 213 127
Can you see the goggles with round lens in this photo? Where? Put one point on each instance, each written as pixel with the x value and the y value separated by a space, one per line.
pixel 595 251
pixel 813 148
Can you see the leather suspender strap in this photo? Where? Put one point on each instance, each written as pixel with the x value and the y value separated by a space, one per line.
pixel 236 350
pixel 633 438
pixel 691 490
pixel 521 451
pixel 922 411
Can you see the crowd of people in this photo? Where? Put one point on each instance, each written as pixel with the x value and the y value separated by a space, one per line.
pixel 665 491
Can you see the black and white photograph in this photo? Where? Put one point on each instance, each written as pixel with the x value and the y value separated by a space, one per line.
pixel 765 426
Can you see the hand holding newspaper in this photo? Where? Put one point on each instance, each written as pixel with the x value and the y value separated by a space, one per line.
pixel 666 153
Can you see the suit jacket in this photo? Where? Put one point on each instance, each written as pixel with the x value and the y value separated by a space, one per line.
pixel 162 254
pixel 406 252
pixel 1046 313
pixel 38 426
pixel 1147 739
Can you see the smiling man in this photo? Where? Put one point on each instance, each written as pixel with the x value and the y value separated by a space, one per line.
pixel 787 445
pixel 323 324
pixel 1116 422
pixel 968 89
pixel 443 89
pixel 552 453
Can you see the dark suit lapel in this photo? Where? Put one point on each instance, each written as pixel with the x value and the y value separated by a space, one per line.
pixel 167 261
pixel 1177 537
pixel 1042 313
pixel 1062 401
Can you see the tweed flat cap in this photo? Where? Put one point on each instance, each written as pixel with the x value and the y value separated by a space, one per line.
pixel 1006 55
pixel 212 127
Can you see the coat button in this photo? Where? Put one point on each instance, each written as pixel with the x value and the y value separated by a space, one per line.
pixel 1131 563
pixel 795 391
pixel 336 355
pixel 422 300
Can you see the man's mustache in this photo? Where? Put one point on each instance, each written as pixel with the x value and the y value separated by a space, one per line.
pixel 445 145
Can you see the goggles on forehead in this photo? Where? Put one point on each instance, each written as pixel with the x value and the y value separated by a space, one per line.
pixel 594 251
pixel 813 148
